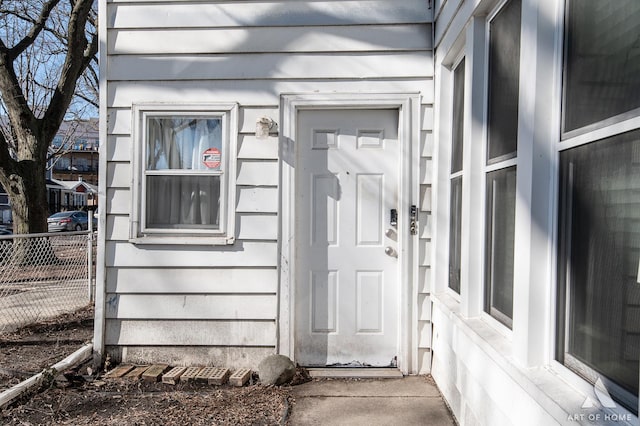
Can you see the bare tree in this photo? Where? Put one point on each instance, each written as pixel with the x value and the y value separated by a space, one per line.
pixel 47 73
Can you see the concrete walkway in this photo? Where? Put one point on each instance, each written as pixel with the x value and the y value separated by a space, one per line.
pixel 412 400
pixel 39 301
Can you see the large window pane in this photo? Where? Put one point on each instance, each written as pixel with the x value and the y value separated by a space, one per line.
pixel 455 226
pixel 183 143
pixel 455 211
pixel 504 77
pixel 185 202
pixel 500 230
pixel 602 60
pixel 599 297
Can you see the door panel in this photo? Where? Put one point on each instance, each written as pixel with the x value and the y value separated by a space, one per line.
pixel 324 286
pixel 369 205
pixel 347 293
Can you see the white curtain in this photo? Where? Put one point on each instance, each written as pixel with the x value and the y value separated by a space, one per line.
pixel 188 200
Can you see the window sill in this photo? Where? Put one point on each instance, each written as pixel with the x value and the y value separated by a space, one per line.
pixel 183 240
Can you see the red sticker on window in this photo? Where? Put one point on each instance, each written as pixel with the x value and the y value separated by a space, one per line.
pixel 211 158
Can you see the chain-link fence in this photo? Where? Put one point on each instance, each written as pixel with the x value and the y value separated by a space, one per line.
pixel 44 275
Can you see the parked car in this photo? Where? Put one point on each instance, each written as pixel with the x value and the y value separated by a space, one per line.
pixel 68 221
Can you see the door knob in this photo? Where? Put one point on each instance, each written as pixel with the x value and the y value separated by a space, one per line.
pixel 390 251
pixel 391 234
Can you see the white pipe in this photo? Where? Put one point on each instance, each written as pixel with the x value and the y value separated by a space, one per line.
pixel 75 358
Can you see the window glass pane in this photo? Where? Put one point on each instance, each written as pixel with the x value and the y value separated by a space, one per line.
pixel 82 164
pixel 186 202
pixel 602 60
pixel 187 143
pixel 599 256
pixel 458 118
pixel 62 163
pixel 455 224
pixel 501 208
pixel 504 77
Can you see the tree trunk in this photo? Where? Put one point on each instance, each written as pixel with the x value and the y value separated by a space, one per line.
pixel 65 31
pixel 28 195
pixel 27 192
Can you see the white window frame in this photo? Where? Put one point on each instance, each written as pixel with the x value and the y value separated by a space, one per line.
pixel 610 126
pixel 225 234
pixel 459 58
pixel 531 341
pixel 574 370
pixel 499 321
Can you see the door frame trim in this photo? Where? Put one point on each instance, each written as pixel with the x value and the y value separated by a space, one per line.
pixel 408 106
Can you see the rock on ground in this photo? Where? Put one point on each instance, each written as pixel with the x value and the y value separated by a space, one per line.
pixel 276 370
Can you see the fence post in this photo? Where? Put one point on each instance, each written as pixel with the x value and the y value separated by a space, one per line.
pixel 90 256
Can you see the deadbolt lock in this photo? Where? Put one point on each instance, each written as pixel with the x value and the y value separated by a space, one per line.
pixel 393 217
pixel 413 220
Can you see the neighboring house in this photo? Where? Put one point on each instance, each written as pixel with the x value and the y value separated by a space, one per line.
pixel 61 195
pixel 445 188
pixel 73 158
pixel 75 151
pixel 78 164
pixel 73 195
pixel 5 207
pixel 73 167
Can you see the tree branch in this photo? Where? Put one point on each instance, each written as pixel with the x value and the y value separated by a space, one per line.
pixel 80 52
pixel 89 100
pixel 37 28
pixel 18 110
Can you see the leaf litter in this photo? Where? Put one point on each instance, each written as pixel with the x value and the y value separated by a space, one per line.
pixel 83 397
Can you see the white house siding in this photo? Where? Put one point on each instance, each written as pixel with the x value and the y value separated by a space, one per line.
pixel 424 233
pixel 491 375
pixel 218 304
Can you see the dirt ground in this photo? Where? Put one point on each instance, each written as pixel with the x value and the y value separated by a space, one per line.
pixel 83 397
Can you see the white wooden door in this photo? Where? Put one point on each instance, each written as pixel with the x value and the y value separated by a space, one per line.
pixel 347 292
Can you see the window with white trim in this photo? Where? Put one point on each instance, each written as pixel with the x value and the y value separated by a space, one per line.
pixel 457 146
pixel 598 295
pixel 502 138
pixel 184 182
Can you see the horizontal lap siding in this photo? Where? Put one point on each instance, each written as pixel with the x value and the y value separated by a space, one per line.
pixel 446 15
pixel 183 303
pixel 424 233
pixel 242 253
pixel 260 280
pixel 252 66
pixel 257 199
pixel 191 306
pixel 231 357
pixel 248 93
pixel 270 39
pixel 190 333
pixel 193 14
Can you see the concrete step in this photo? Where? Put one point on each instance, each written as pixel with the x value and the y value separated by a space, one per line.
pixel 354 373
